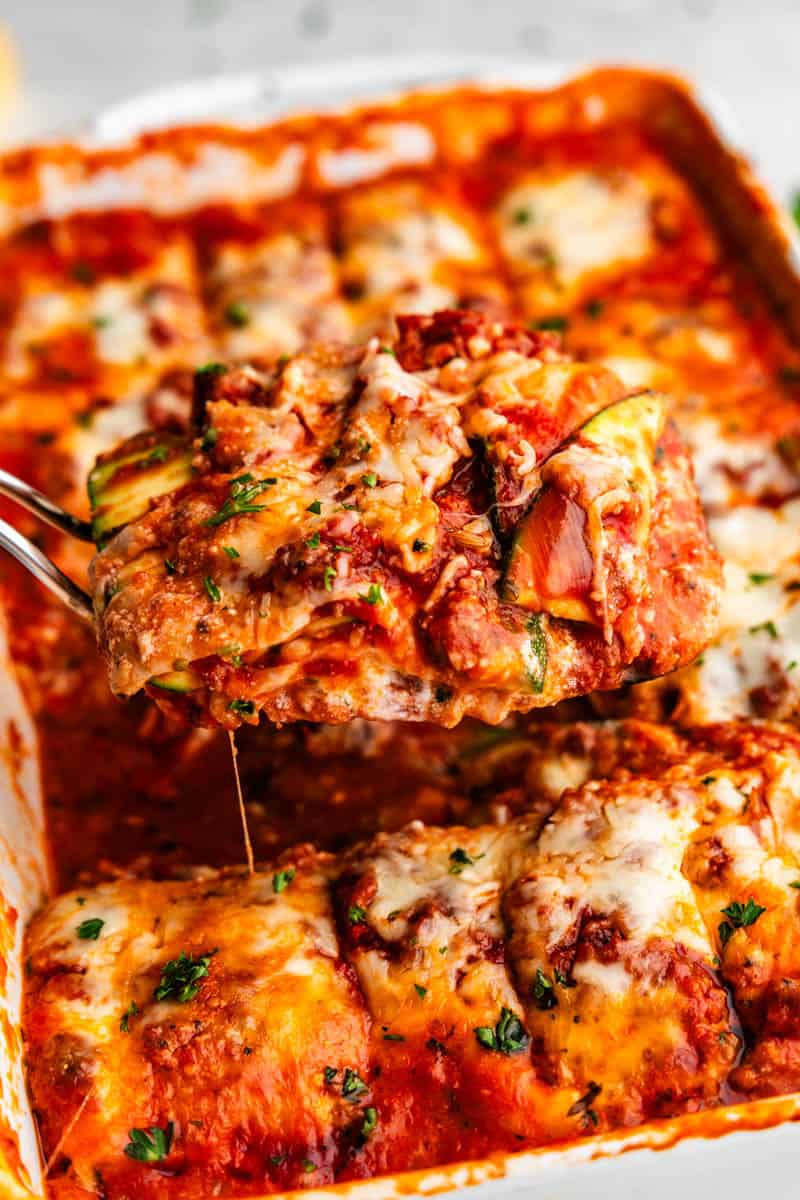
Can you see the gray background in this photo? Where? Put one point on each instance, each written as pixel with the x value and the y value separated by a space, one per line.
pixel 80 55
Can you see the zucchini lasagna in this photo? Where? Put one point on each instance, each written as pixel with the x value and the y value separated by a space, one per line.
pixel 430 995
pixel 427 390
pixel 456 521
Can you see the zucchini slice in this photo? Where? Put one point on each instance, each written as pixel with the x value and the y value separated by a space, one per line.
pixel 177 681
pixel 124 482
pixel 549 565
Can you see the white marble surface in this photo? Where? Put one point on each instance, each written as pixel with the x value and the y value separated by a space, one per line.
pixel 78 56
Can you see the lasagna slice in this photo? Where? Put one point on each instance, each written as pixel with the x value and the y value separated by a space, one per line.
pixel 429 996
pixel 458 521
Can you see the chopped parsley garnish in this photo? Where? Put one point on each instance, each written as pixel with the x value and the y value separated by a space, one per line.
pixel 739 916
pixel 150 1145
pixel 231 552
pixel 521 216
pixel 370 480
pixel 313 541
pixel 180 977
pixel 213 591
pixel 420 547
pixel 386 350
pixel 460 859
pixel 364 447
pixel 370 1122
pixel 243 492
pixel 282 879
pixel 507 1037
pixel 277 1159
pixel 315 507
pixel 582 1107
pixel 393 1037
pixel 557 324
pixel 543 991
pixel 766 627
pixel 330 1074
pixel 353 1085
pixel 760 577
pixel 209 438
pixel 101 322
pixel 420 990
pixel 374 595
pixel 309 1166
pixel 328 576
pixel 89 930
pixel 594 308
pixel 169 566
pixel 211 370
pixel 157 455
pixel 356 915
pixel 131 1011
pixel 245 708
pixel 563 980
pixel 708 779
pixel 236 314
pixel 342 549
pixel 795 883
pixel 80 900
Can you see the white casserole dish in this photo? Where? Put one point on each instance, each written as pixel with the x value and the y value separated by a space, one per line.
pixel 757 1149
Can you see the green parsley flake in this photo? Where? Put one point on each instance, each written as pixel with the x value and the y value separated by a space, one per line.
pixel 356 915
pixel 243 492
pixel 131 1011
pixel 420 990
pixel 557 324
pixel 157 455
pixel 315 507
pixel 739 916
pixel 460 859
pixel 420 547
pixel 759 577
pixel 231 552
pixel 211 370
pixel 353 1085
pixel 370 1122
pixel 543 991
pixel 212 589
pixel 209 438
pixel 765 627
pixel 180 977
pixel 245 708
pixel 150 1145
pixel 314 541
pixel 236 314
pixel 282 879
pixel 328 576
pixel 374 595
pixel 309 1166
pixel 522 216
pixel 370 480
pixel 169 566
pixel 89 930
pixel 507 1037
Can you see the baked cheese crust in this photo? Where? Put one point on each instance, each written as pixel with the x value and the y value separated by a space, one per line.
pixel 430 995
pixel 457 521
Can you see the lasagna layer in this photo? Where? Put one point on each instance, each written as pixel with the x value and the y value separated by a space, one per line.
pixel 456 521
pixel 430 995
